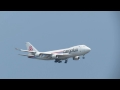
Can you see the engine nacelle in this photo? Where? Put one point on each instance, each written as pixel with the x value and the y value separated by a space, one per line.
pixel 76 58
pixel 54 56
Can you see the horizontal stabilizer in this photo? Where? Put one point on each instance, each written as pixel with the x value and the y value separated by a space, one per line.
pixel 21 50
pixel 26 55
pixel 23 54
pixel 25 50
pixel 32 51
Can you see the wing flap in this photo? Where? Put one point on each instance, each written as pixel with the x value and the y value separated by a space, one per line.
pixel 21 50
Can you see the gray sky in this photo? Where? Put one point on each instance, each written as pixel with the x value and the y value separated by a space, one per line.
pixel 51 30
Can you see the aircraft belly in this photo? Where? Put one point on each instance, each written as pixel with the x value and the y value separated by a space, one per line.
pixel 47 58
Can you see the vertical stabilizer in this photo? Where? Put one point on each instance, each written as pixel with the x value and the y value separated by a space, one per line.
pixel 30 47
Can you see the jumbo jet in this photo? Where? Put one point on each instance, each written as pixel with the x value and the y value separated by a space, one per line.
pixel 58 55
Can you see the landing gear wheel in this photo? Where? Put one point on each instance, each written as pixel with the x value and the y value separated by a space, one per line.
pixel 65 61
pixel 83 57
pixel 59 61
pixel 55 61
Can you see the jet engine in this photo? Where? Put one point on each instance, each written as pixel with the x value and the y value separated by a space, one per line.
pixel 54 56
pixel 76 58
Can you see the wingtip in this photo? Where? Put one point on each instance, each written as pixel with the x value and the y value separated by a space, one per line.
pixel 17 49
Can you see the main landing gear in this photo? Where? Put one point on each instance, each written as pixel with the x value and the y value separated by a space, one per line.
pixel 66 61
pixel 59 61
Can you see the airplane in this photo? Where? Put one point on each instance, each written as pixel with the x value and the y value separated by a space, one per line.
pixel 58 55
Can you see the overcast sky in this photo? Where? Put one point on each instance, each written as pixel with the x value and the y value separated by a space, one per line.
pixel 51 30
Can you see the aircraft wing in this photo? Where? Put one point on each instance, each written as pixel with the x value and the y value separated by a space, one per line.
pixel 25 55
pixel 60 55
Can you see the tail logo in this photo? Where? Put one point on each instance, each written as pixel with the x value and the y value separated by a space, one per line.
pixel 30 48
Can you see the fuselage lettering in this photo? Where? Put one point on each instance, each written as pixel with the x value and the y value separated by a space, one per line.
pixel 70 50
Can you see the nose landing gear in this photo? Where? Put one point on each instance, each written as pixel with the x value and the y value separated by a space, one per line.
pixel 83 57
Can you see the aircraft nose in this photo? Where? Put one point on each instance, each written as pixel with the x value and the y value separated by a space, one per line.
pixel 88 49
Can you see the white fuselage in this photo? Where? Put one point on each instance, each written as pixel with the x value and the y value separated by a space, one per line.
pixel 71 52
